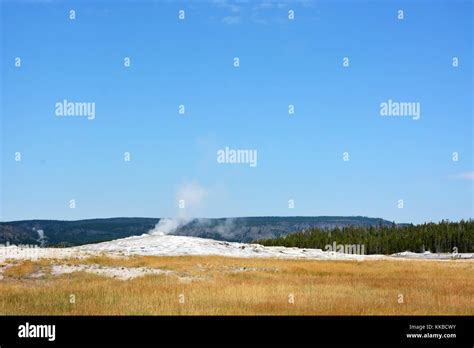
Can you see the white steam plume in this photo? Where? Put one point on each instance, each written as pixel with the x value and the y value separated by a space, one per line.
pixel 192 198
pixel 167 226
pixel 41 237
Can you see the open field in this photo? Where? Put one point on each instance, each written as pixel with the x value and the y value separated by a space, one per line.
pixel 212 285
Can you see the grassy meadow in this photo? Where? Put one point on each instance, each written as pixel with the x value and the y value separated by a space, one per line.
pixel 230 286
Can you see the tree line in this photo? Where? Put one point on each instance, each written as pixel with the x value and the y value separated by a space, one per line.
pixel 445 236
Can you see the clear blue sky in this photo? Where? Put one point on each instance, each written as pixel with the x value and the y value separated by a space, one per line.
pixel 283 62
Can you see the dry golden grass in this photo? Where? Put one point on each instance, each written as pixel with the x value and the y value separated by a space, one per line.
pixel 221 286
pixel 20 270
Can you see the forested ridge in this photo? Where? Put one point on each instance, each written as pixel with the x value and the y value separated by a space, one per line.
pixel 236 229
pixel 444 236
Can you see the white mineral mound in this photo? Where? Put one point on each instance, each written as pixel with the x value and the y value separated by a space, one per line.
pixel 159 244
pixel 167 245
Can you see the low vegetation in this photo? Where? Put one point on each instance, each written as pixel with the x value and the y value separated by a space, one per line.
pixel 229 286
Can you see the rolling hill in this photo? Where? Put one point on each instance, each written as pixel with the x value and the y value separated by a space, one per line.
pixel 240 229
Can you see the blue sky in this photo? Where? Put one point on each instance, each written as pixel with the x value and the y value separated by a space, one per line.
pixel 282 62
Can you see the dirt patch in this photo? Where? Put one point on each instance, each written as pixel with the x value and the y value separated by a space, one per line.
pixel 122 273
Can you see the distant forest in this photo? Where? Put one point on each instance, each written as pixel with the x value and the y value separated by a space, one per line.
pixel 433 237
